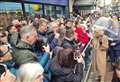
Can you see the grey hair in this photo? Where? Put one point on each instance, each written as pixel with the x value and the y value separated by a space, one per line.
pixel 25 30
pixel 29 72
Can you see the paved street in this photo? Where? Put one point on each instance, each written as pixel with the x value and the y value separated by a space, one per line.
pixel 108 75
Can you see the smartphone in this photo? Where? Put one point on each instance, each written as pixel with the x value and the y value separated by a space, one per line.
pixel 3 69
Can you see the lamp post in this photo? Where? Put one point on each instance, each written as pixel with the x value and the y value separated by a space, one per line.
pixel 23 8
pixel 70 6
pixel 104 6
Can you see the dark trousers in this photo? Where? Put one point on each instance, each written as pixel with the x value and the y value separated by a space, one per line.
pixel 115 79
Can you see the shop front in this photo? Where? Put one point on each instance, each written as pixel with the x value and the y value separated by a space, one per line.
pixel 9 11
pixel 54 8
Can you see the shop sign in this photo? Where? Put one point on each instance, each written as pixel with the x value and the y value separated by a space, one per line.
pixel 54 2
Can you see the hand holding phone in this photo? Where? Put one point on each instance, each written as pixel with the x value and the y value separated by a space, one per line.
pixel 6 75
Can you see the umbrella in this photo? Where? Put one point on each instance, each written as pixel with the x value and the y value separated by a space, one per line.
pixel 104 23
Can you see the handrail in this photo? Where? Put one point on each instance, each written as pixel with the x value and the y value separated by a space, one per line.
pixel 88 73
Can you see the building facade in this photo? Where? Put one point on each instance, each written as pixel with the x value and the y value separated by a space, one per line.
pixel 54 8
pixel 84 7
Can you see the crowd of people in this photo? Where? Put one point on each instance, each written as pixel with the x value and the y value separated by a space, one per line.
pixel 59 50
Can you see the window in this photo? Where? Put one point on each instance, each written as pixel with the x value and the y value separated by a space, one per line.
pixel 10 6
pixel 59 11
pixel 50 10
pixel 8 11
pixel 34 9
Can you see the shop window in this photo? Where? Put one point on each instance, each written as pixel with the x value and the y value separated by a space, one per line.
pixel 49 10
pixel 59 11
pixel 34 9
pixel 9 11
pixel 10 6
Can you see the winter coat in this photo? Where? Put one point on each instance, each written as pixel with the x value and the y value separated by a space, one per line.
pixel 48 37
pixel 114 51
pixel 99 55
pixel 64 74
pixel 23 53
pixel 68 43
